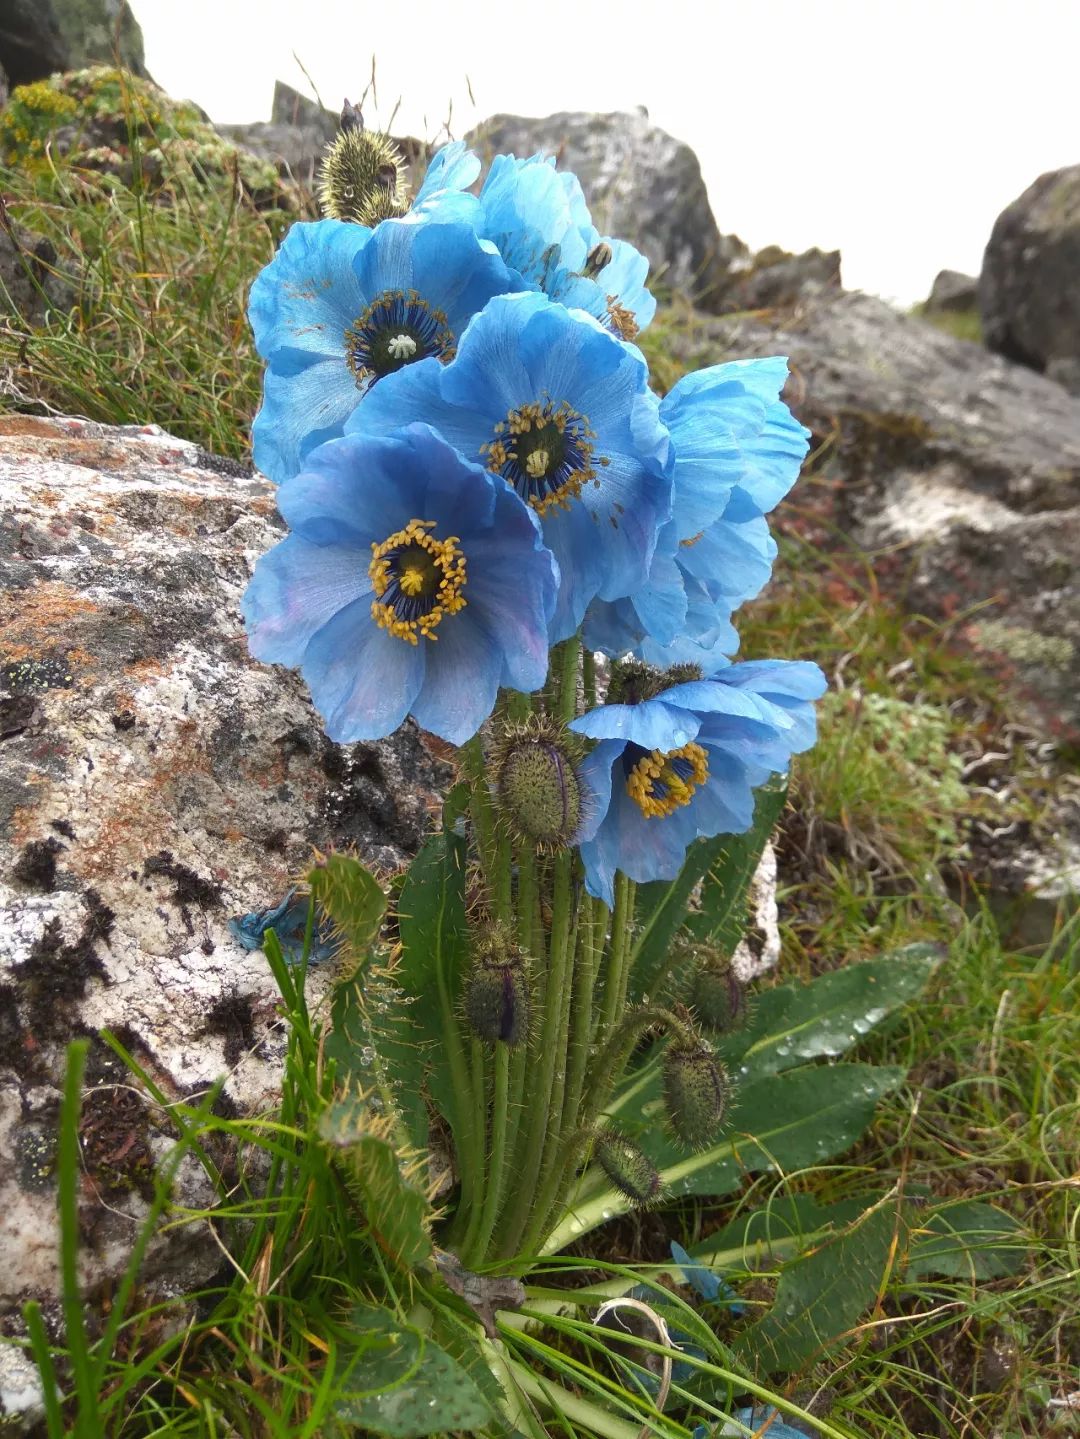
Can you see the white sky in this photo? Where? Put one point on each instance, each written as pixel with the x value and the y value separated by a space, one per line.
pixel 894 130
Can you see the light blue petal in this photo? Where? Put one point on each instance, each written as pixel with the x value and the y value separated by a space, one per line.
pixel 297 588
pixel 416 393
pixel 362 679
pixel 594 774
pixel 461 682
pixel 356 490
pixel 515 595
pixel 661 601
pixel 308 295
pixel 652 724
pixel 451 171
pixel 734 561
pixel 303 406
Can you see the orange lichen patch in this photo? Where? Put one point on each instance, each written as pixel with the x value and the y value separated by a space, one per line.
pixel 143 670
pixel 27 425
pixel 261 505
pixel 42 615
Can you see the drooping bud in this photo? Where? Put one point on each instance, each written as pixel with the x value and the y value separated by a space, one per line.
pixel 599 257
pixel 696 1092
pixel 497 990
pixel 718 997
pixel 537 784
pixel 630 1170
pixel 362 175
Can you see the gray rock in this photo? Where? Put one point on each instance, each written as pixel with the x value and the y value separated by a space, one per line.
pixel 289 107
pixel 641 184
pixel 98 31
pixel 951 293
pixel 962 467
pixel 39 37
pixel 31 42
pixel 777 280
pixel 30 283
pixel 155 783
pixel 1029 289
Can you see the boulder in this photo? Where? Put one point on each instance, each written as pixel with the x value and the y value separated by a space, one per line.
pixel 777 280
pixel 643 185
pixel 40 37
pixel 293 139
pixel 951 293
pixel 1029 288
pixel 156 785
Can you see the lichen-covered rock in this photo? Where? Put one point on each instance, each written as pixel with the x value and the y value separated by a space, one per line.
pixel 1029 294
pixel 643 185
pixel 155 783
pixel 91 117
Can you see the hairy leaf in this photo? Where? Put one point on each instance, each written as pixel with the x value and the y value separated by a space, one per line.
pixel 969 1240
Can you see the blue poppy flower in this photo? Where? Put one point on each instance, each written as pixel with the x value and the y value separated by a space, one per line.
pixel 341 305
pixel 549 400
pixel 737 450
pixel 413 582
pixel 686 763
pixel 539 221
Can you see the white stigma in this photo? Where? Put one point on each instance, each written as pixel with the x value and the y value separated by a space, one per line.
pixel 537 463
pixel 401 347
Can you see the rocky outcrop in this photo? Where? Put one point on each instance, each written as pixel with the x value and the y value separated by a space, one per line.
pixel 40 37
pixel 642 184
pixel 30 283
pixel 952 293
pixel 1029 291
pixel 155 785
pixel 963 469
pixel 293 139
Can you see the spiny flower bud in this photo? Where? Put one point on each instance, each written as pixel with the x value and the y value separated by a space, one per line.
pixel 537 784
pixel 630 1170
pixel 497 991
pixel 634 681
pixel 696 1091
pixel 361 177
pixel 718 997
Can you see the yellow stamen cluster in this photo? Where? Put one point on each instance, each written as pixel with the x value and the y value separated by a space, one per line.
pixel 657 768
pixel 435 568
pixel 519 444
pixel 621 319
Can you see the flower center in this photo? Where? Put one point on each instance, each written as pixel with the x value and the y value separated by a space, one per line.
pixel 417 580
pixel 621 320
pixel 546 452
pixel 660 782
pixel 397 328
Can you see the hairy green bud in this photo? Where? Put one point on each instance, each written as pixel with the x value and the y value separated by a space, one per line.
pixel 629 1169
pixel 362 175
pixel 633 681
pixel 696 1092
pixel 497 991
pixel 537 785
pixel 718 998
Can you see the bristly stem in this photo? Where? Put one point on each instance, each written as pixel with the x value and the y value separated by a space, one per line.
pixel 480 808
pixel 614 987
pixel 476 1246
pixel 546 1059
pixel 588 678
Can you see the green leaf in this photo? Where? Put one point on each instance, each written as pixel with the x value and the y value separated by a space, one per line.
pixel 968 1240
pixel 783 1121
pixel 822 1294
pixel 777 1231
pixel 397 1212
pixel 430 972
pixel 398 1381
pixel 796 1022
pixel 352 897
